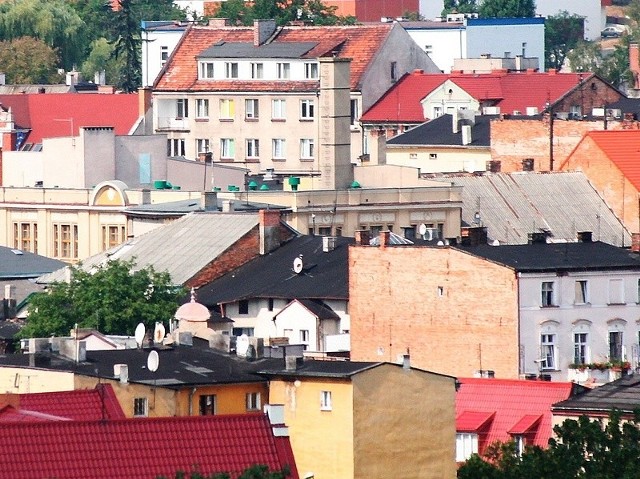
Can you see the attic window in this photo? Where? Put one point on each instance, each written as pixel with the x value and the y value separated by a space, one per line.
pixel 243 306
pixel 17 252
pixel 433 156
pixel 394 71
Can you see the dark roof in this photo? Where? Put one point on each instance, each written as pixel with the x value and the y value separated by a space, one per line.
pixel 324 275
pixel 9 329
pixel 182 207
pixel 579 256
pixel 249 50
pixel 24 287
pixel 15 263
pixel 627 105
pixel 439 131
pixel 622 394
pixel 319 309
pixel 180 366
pixel 319 368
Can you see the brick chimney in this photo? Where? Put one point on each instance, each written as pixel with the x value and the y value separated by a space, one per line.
pixel 269 230
pixel 362 237
pixel 385 237
pixel 634 64
pixel 219 22
pixel 635 242
pixel 144 101
pixel 262 31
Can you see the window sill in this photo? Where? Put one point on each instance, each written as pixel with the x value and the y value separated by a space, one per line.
pixel 278 120
pixel 582 305
pixel 202 120
pixel 278 159
pixel 306 119
pixel 252 120
pixel 326 409
pixel 550 306
pixel 226 160
pixel 226 120
pixel 307 160
pixel 616 304
pixel 252 160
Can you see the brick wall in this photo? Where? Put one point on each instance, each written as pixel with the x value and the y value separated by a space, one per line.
pixel 455 313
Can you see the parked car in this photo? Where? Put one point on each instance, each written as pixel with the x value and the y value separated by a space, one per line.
pixel 610 32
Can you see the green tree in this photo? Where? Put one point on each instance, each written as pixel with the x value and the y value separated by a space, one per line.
pixel 282 11
pixel 586 56
pixel 127 46
pixel 256 471
pixel 112 298
pixel 29 60
pixel 562 32
pixel 459 6
pixel 507 8
pixel 101 58
pixel 54 22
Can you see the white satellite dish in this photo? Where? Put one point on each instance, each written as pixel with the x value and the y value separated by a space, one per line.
pixel 242 345
pixel 153 361
pixel 422 229
pixel 158 333
pixel 139 334
pixel 297 265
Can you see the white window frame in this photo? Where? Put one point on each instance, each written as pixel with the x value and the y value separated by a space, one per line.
pixel 307 110
pixel 279 148
pixel 307 149
pixel 466 445
pixel 437 111
pixel 547 294
pixel 311 70
pixel 140 407
pixel 304 336
pixel 580 347
pixel 283 70
pixel 203 145
pixel 231 70
pixel 548 351
pixel 175 147
pixel 251 108
pixel 227 148
pixel 206 70
pixel 202 108
pixel 253 401
pixel 582 291
pixel 227 108
pixel 164 54
pixel 279 109
pixel 618 353
pixel 182 108
pixel 326 403
pixel 257 70
pixel 252 146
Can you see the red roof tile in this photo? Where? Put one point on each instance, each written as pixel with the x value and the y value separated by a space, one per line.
pixel 141 448
pixel 49 115
pixel 621 147
pixel 516 404
pixel 510 91
pixel 358 42
pixel 473 421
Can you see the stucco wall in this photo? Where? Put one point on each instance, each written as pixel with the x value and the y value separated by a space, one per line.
pixel 32 380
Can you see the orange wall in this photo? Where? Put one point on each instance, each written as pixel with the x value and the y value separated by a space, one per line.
pixel 373 10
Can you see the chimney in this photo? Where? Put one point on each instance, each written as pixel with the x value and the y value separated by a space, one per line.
pixel 406 361
pixel 9 291
pixel 466 135
pixel 362 237
pixel 585 236
pixel 10 399
pixel 209 201
pixel 635 242
pixel 269 230
pixel 328 243
pixel 291 363
pixel 262 31
pixel 227 206
pixel 219 22
pixel 455 124
pixel 634 64
pixel 384 238
pixel 121 372
pixel 144 101
pixel 146 196
pixel 538 237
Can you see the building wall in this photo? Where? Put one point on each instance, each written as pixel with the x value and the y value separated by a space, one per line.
pixel 590 9
pixel 456 313
pixel 373 10
pixel 447 160
pixel 152 47
pixel 617 191
pixel 446 99
pixel 413 414
pixel 442 44
pixel 20 380
pixel 322 441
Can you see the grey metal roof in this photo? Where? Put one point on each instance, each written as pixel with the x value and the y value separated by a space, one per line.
pixel 15 263
pixel 182 247
pixel 512 205
pixel 249 50
pixel 439 132
pixel 622 394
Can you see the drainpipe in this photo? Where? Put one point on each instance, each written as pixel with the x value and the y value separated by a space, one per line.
pixel 191 393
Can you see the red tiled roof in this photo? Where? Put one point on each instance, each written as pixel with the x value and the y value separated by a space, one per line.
pixel 621 147
pixel 358 42
pixel 11 414
pixel 81 404
pixel 49 115
pixel 472 421
pixel 141 448
pixel 510 91
pixel 516 403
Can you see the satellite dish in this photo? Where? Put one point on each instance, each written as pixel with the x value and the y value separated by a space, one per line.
pixel 158 333
pixel 297 265
pixel 139 334
pixel 153 361
pixel 422 229
pixel 242 345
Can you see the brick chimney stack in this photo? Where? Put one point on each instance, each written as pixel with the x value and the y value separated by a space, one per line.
pixel 634 64
pixel 262 31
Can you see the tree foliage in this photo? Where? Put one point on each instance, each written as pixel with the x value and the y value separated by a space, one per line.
pixel 582 449
pixel 562 32
pixel 256 471
pixel 113 298
pixel 315 12
pixel 459 6
pixel 28 60
pixel 127 46
pixel 507 8
pixel 102 58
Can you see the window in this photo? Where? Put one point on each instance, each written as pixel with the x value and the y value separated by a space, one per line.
pixel 548 351
pixel 227 148
pixel 283 70
pixel 175 147
pixel 394 71
pixel 581 292
pixel 253 401
pixel 306 109
pixel 227 109
pixel 304 336
pixel 278 109
pixel 25 237
pixel 520 444
pixel 306 149
pixel 112 235
pixel 182 108
pixel 616 294
pixel 206 70
pixel 65 241
pixel 547 293
pixel 324 230
pixel 207 404
pixel 466 444
pixel 251 108
pixel 253 148
pixel 243 306
pixel 278 147
pixel 355 114
pixel 311 71
pixel 615 345
pixel 241 331
pixel 580 355
pixel 433 156
pixel 257 71
pixel 140 407
pixel 270 304
pixel 231 70
pixel 202 108
pixel 202 145
pixel 164 54
pixel 437 111
pixel 325 401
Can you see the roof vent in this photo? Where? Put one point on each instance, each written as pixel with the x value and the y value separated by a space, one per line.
pixel 328 243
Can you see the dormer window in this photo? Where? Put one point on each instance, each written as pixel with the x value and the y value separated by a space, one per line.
pixel 283 70
pixel 206 70
pixel 311 71
pixel 257 71
pixel 231 70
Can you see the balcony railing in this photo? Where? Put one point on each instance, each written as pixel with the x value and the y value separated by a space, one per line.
pixel 173 123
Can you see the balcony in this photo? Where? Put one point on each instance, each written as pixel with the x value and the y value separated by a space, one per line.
pixel 597 373
pixel 167 123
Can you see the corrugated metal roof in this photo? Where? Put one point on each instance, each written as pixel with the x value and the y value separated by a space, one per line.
pixel 182 248
pixel 512 205
pixel 15 263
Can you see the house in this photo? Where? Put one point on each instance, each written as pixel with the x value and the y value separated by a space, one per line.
pixel 490 410
pixel 332 409
pixel 607 158
pixel 538 308
pixel 448 143
pixel 299 291
pixel 144 448
pixel 374 10
pixel 99 403
pixel 159 39
pixel 198 247
pixel 284 99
